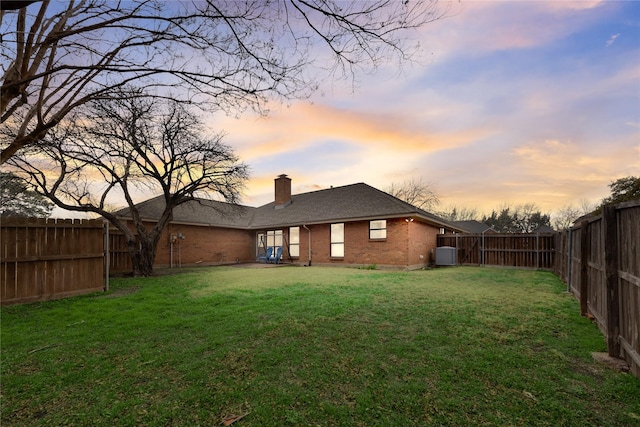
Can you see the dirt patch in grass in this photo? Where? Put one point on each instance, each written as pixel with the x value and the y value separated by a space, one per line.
pixel 123 292
pixel 612 362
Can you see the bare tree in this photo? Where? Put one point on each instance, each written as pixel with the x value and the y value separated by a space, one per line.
pixel 226 55
pixel 120 147
pixel 416 192
pixel 566 216
pixel 458 213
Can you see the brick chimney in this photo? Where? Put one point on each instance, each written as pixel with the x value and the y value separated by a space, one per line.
pixel 283 191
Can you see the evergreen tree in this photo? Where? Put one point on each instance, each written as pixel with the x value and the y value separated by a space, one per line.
pixel 16 199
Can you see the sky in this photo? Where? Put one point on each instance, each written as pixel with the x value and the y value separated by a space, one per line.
pixel 511 103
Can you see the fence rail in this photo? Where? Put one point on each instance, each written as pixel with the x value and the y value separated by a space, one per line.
pixel 523 250
pixel 599 259
pixel 48 259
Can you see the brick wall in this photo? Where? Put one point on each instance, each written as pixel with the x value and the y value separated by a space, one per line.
pixel 422 244
pixel 404 244
pixel 205 245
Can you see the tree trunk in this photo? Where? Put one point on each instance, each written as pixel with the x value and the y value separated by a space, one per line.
pixel 134 253
pixel 147 258
pixel 143 255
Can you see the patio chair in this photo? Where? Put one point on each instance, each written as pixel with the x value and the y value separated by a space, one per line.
pixel 267 255
pixel 277 256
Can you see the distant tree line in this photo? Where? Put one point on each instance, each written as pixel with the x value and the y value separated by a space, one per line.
pixel 524 218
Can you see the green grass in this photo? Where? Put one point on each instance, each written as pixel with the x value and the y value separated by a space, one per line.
pixel 313 346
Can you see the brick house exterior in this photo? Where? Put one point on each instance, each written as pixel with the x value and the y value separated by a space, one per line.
pixel 353 225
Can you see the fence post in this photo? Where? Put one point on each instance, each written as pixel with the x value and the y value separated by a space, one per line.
pixel 610 226
pixel 584 267
pixel 107 259
pixel 569 258
pixel 537 251
pixel 457 251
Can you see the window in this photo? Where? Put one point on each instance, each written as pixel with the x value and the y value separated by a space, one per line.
pixel 274 238
pixel 294 241
pixel 337 240
pixel 378 229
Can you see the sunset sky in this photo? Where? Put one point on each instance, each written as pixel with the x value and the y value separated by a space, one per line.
pixel 512 102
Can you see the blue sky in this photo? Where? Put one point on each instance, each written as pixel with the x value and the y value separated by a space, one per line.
pixel 512 102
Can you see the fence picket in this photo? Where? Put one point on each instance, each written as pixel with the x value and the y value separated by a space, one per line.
pixel 611 276
pixel 49 259
pixel 508 250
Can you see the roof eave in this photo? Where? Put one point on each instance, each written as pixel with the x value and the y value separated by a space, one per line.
pixel 416 215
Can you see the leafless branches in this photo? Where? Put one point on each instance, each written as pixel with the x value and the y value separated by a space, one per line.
pixel 226 55
pixel 116 148
pixel 416 192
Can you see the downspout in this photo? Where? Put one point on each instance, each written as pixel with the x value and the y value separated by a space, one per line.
pixel 309 234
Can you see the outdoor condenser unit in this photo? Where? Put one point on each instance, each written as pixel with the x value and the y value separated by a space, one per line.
pixel 446 255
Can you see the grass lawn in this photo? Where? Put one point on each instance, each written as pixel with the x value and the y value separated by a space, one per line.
pixel 313 347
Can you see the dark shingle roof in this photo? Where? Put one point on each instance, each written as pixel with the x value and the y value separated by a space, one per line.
pixel 473 226
pixel 340 204
pixel 347 203
pixel 200 211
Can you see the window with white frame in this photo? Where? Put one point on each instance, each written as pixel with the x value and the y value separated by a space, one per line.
pixel 274 238
pixel 294 241
pixel 378 229
pixel 337 240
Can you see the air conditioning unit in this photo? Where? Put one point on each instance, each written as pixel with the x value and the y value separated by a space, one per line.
pixel 446 255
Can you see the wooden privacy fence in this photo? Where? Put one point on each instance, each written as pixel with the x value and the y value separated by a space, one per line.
pixel 44 259
pixel 599 259
pixel 523 250
pixel 119 259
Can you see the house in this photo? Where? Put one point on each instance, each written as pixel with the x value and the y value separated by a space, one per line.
pixel 352 225
pixel 474 227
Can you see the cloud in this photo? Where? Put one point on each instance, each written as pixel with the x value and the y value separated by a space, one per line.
pixel 304 125
pixel 481 27
pixel 554 170
pixel 508 110
pixel 612 39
